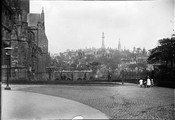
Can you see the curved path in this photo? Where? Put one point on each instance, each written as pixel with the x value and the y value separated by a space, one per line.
pixel 27 105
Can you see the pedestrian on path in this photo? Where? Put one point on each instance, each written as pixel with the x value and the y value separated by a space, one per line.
pixel 141 82
pixel 152 83
pixel 148 82
pixel 145 82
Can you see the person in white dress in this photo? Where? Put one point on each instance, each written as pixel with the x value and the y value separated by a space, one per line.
pixel 141 82
pixel 148 83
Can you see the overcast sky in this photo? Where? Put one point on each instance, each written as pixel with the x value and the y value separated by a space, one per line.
pixel 79 24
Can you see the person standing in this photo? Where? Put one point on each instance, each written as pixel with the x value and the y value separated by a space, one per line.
pixel 145 82
pixel 30 72
pixel 148 82
pixel 122 76
pixel 141 82
pixel 152 83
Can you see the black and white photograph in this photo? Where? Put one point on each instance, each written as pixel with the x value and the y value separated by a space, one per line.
pixel 87 59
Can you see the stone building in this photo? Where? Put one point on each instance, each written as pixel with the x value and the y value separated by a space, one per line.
pixel 14 34
pixel 26 37
pixel 36 30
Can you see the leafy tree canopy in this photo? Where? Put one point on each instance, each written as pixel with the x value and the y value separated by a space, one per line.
pixel 164 53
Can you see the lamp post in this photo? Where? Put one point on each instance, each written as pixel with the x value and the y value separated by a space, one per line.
pixel 8 54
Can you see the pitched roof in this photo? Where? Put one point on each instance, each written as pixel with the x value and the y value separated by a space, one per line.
pixel 33 19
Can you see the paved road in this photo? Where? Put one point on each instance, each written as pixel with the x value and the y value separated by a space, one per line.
pixel 23 105
pixel 128 101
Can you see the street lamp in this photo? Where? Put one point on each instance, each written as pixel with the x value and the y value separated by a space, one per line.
pixel 8 53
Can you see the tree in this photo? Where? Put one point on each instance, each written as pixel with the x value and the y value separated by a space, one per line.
pixel 144 51
pixel 164 53
pixel 138 50
pixel 94 65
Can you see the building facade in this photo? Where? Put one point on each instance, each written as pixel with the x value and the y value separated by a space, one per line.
pixel 36 30
pixel 29 54
pixel 14 34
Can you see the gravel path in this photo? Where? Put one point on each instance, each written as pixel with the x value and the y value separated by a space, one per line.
pixel 120 102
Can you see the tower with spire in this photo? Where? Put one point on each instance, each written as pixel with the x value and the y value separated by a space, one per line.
pixel 42 18
pixel 103 44
pixel 36 20
pixel 119 45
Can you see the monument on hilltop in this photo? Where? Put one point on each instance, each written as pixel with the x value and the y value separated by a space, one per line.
pixel 103 44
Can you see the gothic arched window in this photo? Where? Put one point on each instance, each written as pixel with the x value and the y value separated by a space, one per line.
pixel 31 36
